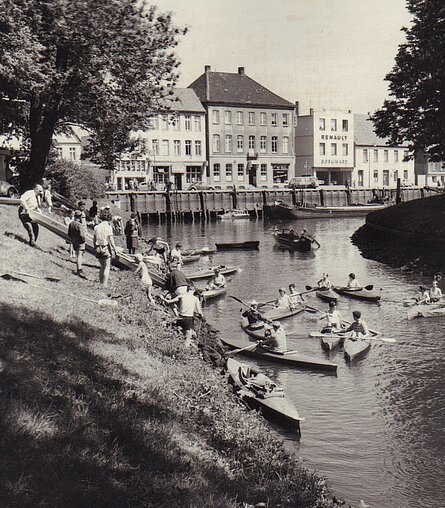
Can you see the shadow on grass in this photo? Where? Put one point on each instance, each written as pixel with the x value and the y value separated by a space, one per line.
pixel 78 430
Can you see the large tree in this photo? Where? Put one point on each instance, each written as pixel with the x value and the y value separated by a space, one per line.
pixel 103 64
pixel 415 112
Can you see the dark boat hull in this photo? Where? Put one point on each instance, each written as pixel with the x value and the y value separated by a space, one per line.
pixel 359 294
pixel 248 245
pixel 297 244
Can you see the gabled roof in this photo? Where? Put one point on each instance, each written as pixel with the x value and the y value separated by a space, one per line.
pixel 183 100
pixel 239 89
pixel 364 134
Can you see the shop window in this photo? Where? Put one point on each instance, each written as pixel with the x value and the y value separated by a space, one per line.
pixel 193 174
pixel 263 172
pixel 280 173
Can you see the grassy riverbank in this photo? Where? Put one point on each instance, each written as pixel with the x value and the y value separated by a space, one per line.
pixel 102 406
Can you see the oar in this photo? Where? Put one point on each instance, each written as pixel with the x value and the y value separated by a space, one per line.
pixel 51 279
pixel 390 340
pixel 250 347
pixel 309 290
pixel 370 287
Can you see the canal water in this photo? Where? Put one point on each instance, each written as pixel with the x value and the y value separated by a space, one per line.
pixel 377 429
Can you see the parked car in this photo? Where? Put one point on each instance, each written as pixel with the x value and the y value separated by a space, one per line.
pixel 200 186
pixel 304 182
pixel 7 189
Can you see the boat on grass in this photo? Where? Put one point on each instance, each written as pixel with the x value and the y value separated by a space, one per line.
pixel 368 295
pixel 234 214
pixel 314 211
pixel 209 272
pixel 288 238
pixel 247 245
pixel 260 392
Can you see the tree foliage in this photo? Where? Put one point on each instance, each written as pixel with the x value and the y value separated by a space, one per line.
pixel 102 64
pixel 415 113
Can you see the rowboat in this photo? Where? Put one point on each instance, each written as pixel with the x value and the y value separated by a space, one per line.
pixel 426 310
pixel 326 294
pixel 282 313
pixel 318 211
pixel 209 273
pixel 355 348
pixel 291 358
pixel 208 294
pixel 250 244
pixel 286 238
pixel 359 293
pixel 260 392
pixel 234 214
pixel 121 260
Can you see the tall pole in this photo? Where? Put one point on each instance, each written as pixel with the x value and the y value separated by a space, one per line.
pixel 369 167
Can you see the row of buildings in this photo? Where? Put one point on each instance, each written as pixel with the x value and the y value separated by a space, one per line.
pixel 227 130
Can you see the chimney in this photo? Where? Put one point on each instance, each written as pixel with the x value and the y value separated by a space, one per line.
pixel 207 68
pixel 241 70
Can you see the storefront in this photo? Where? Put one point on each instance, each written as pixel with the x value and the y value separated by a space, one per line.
pixel 280 173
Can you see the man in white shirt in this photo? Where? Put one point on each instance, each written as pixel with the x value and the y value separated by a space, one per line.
pixel 283 301
pixel 104 246
pixel 30 202
pixel 353 283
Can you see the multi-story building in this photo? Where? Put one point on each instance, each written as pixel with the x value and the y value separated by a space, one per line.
pixel 324 145
pixel 376 163
pixel 174 149
pixel 428 172
pixel 249 131
pixel 68 146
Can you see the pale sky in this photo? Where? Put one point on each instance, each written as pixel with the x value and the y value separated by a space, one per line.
pixel 323 53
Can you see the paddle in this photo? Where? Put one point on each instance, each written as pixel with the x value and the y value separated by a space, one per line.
pixel 389 340
pixel 51 279
pixel 370 287
pixel 250 347
pixel 309 290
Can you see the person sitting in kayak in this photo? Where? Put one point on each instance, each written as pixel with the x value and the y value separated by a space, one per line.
pixel 358 327
pixel 283 301
pixel 295 297
pixel 424 295
pixel 435 292
pixel 253 315
pixel 274 338
pixel 333 318
pixel 218 281
pixel 353 283
pixel 324 282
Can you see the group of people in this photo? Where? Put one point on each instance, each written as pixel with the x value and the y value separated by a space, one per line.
pixel 432 295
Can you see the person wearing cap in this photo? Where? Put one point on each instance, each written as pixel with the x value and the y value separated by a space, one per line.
pixel 104 246
pixel 146 280
pixel 283 301
pixel 333 318
pixel 218 281
pixel 435 292
pixel 30 201
pixel 353 283
pixel 176 255
pixel 253 315
pixel 77 233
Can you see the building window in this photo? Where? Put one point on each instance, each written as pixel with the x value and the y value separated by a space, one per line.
pixel 177 147
pixel 376 176
pixel 333 148
pixel 263 141
pixel 322 149
pixel 228 117
pixel 228 143
pixel 60 152
pixel 333 124
pixel 344 126
pixel 285 144
pixel 216 172
pixel 274 119
pixel 193 174
pixel 365 155
pixel 175 123
pixel 240 144
pixel 198 150
pixel 322 126
pixel 165 147
pixel 280 173
pixel 197 123
pixel 239 117
pixel 405 155
pixel 274 144
pixel 285 119
pixel 396 156
pixel 216 143
pixel 375 156
pixel 385 155
pixel 405 174
pixel 251 118
pixel 251 142
pixel 155 146
pixel 241 172
pixel 188 147
pixel 72 153
pixel 229 173
pixel 153 122
pixel 385 177
pixel 262 118
pixel 345 149
pixel 215 116
pixel 164 122
pixel 188 122
pixel 263 172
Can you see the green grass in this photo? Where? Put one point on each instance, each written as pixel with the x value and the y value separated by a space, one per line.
pixel 102 406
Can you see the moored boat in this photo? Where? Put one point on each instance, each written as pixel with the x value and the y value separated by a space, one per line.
pixel 288 238
pixel 209 273
pixel 247 245
pixel 260 392
pixel 359 293
pixel 317 211
pixel 354 348
pixel 234 214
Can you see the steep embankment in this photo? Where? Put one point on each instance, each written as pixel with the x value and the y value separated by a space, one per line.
pixel 410 235
pixel 103 406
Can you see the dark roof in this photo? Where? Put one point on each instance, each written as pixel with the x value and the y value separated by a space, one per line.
pixel 364 134
pixel 183 100
pixel 239 89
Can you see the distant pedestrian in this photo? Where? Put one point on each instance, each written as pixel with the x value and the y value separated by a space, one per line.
pixel 93 211
pixel 131 231
pixel 47 197
pixel 146 280
pixel 77 233
pixel 104 246
pixel 68 219
pixel 30 201
pixel 82 208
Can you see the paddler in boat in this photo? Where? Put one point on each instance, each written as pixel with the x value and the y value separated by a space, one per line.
pixel 295 297
pixel 253 315
pixel 283 301
pixel 274 337
pixel 324 282
pixel 358 327
pixel 424 296
pixel 304 235
pixel 333 318
pixel 218 281
pixel 435 292
pixel 353 283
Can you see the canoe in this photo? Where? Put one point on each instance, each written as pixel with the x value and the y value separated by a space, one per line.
pixel 251 244
pixel 284 239
pixel 282 313
pixel 291 358
pixel 317 212
pixel 209 273
pixel 208 294
pixel 271 400
pixel 426 310
pixel 354 348
pixel 327 295
pixel 9 201
pixel 359 294
pixel 121 260
pixel 202 251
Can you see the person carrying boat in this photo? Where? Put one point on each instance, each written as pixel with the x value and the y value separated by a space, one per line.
pixel 274 338
pixel 333 318
pixel 283 301
pixel 30 201
pixel 358 327
pixel 253 315
pixel 218 281
pixel 353 283
pixel 324 282
pixel 296 298
pixel 435 292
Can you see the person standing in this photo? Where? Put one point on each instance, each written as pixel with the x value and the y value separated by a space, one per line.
pixel 146 280
pixel 104 246
pixel 177 282
pixel 47 197
pixel 92 212
pixel 132 233
pixel 77 233
pixel 30 202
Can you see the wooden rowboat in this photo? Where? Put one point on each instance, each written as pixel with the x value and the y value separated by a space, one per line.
pixel 291 358
pixel 247 245
pixel 209 273
pixel 285 238
pixel 354 348
pixel 359 293
pixel 267 396
pixel 317 211
pixel 327 295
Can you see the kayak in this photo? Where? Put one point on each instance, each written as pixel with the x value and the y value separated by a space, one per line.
pixel 247 245
pixel 262 393
pixel 291 358
pixel 202 252
pixel 208 294
pixel 326 294
pixel 190 258
pixel 282 313
pixel 359 293
pixel 426 310
pixel 209 273
pixel 355 348
pixel 328 340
